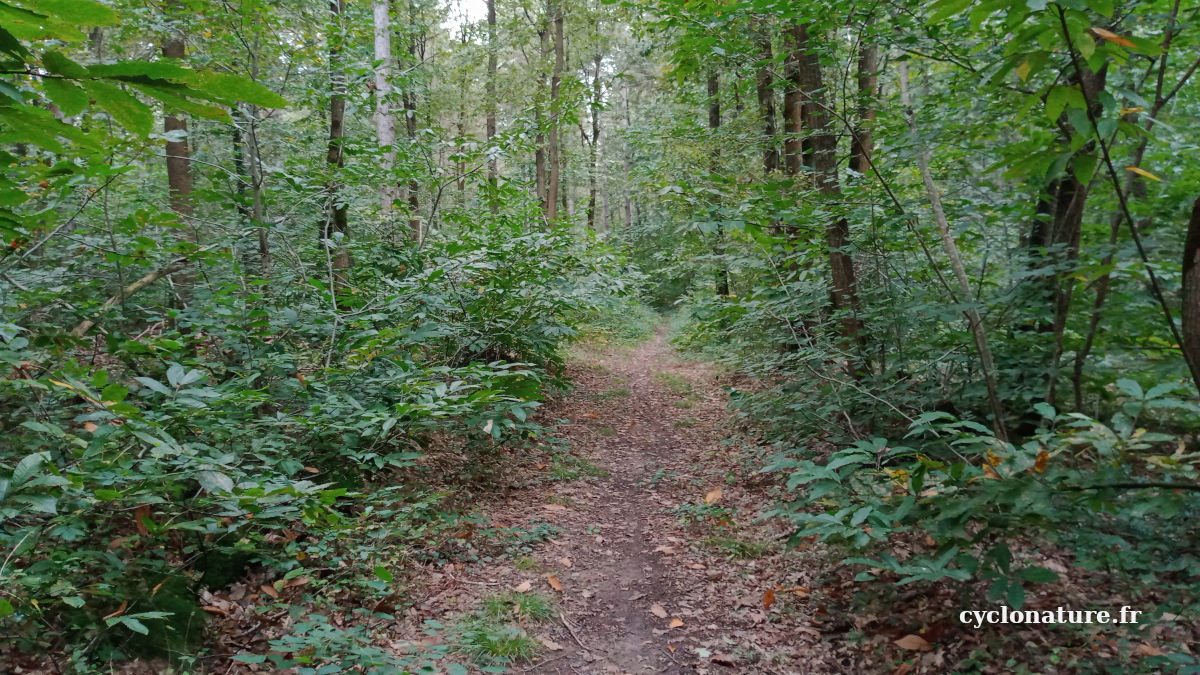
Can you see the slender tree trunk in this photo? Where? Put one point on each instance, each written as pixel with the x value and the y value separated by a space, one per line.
pixel 490 123
pixel 974 320
pixel 385 123
pixel 1190 291
pixel 862 145
pixel 844 289
pixel 628 158
pixel 336 219
pixel 594 162
pixel 555 183
pixel 714 125
pixel 179 162
pixel 539 117
pixel 416 232
pixel 766 106
pixel 258 214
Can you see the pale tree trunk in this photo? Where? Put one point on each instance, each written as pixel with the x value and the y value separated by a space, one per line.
pixel 844 291
pixel 539 118
pixel 766 106
pixel 974 320
pixel 862 145
pixel 336 217
pixel 594 162
pixel 555 184
pixel 628 159
pixel 258 206
pixel 490 123
pixel 385 123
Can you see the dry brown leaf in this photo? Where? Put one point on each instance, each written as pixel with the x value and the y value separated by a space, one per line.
pixel 554 582
pixel 724 660
pixel 90 427
pixel 665 550
pixel 768 598
pixel 312 469
pixel 676 622
pixel 657 610
pixel 903 669
pixel 671 647
pixel 566 562
pixel 1043 458
pixel 1148 650
pixel 523 587
pixel 270 590
pixel 554 507
pixel 1112 37
pixel 140 515
pixel 914 642
pixel 212 609
pixel 713 496
pixel 590 416
pixel 119 612
pixel 550 644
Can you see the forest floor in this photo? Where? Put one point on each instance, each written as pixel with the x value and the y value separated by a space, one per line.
pixel 658 565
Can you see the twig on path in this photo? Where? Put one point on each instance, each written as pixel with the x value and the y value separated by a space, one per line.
pixel 477 583
pixel 572 632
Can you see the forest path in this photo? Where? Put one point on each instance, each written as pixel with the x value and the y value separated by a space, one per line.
pixel 657 565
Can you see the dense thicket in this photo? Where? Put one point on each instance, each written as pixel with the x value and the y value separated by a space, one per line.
pixel 264 258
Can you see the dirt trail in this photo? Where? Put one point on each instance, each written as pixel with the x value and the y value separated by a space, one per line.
pixel 645 589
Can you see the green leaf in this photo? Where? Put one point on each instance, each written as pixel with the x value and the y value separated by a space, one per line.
pixel 40 503
pixel 1015 595
pixel 124 108
pixel 106 495
pixel 222 87
pixel 27 467
pixel 82 12
pixel 114 392
pixel 6 607
pixel 383 573
pixel 57 64
pixel 69 98
pixel 1084 167
pixel 943 9
pixel 11 45
pixel 134 625
pixel 250 658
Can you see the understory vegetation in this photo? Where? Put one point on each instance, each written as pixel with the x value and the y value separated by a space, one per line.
pixel 284 285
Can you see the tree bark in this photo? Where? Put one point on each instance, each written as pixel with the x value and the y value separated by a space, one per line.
pixel 844 291
pixel 490 122
pixel 793 111
pixel 555 183
pixel 416 232
pixel 766 106
pixel 385 123
pixel 714 125
pixel 594 148
pixel 1190 291
pixel 336 223
pixel 862 145
pixel 628 158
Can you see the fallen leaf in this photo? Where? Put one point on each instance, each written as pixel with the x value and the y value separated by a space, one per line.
pixel 768 598
pixel 158 586
pixel 523 587
pixel 1147 650
pixel 566 562
pixel 211 609
pixel 697 566
pixel 90 427
pixel 312 469
pixel 713 496
pixel 903 669
pixel 586 594
pixel 724 660
pixel 657 610
pixel 914 642
pixel 671 647
pixel 550 644
pixel 675 623
pixel 665 550
pixel 270 590
pixel 554 507
pixel 141 515
pixel 590 416
pixel 554 582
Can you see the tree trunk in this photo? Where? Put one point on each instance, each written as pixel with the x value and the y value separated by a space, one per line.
pixel 861 145
pixel 793 111
pixel 1190 291
pixel 555 184
pixel 416 232
pixel 714 124
pixel 844 289
pixel 974 320
pixel 490 123
pixel 385 123
pixel 628 159
pixel 179 162
pixel 595 144
pixel 539 118
pixel 766 106
pixel 336 222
